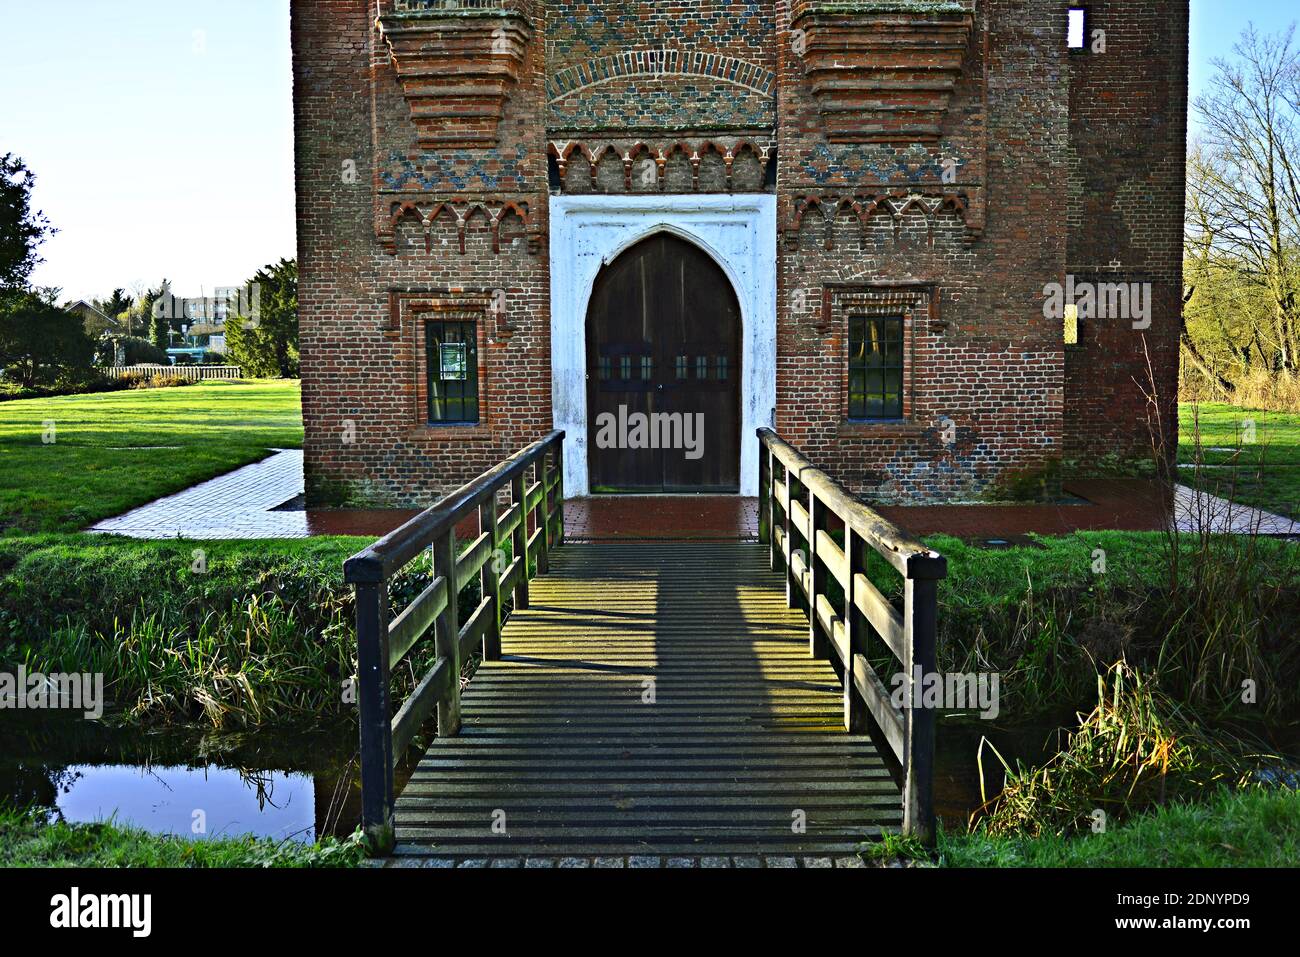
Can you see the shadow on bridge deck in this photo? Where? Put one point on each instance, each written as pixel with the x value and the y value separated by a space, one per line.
pixel 654 699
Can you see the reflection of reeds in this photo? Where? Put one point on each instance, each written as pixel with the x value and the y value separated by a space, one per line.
pixel 343 784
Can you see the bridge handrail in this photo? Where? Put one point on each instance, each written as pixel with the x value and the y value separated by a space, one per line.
pixel 802 499
pixel 383 643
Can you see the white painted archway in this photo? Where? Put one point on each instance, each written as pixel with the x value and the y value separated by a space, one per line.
pixel 738 232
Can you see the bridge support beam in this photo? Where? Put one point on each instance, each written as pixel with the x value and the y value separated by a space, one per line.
pixel 446 634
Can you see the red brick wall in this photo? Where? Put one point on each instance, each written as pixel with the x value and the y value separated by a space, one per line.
pixel 985 363
pixel 1128 143
pixel 368 440
pixel 1063 163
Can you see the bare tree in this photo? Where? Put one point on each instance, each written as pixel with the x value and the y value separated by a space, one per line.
pixel 1244 187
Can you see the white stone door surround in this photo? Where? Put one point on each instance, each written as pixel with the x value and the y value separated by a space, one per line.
pixel 587 231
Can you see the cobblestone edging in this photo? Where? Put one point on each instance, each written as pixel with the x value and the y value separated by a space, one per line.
pixel 636 861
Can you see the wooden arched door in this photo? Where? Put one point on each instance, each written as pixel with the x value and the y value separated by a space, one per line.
pixel 663 351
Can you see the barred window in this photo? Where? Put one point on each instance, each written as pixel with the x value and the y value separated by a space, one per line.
pixel 452 353
pixel 875 367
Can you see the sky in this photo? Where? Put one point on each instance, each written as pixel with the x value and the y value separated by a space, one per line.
pixel 161 132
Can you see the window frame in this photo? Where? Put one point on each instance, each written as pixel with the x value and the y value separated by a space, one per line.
pixel 436 327
pixel 890 364
pixel 918 303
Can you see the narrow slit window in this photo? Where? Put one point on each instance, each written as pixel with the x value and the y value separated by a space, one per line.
pixel 604 368
pixel 451 350
pixel 681 367
pixel 722 368
pixel 1076 28
pixel 625 367
pixel 647 369
pixel 875 367
pixel 701 367
pixel 1072 325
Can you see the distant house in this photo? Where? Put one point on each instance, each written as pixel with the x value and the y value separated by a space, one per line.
pixel 95 322
pixel 199 322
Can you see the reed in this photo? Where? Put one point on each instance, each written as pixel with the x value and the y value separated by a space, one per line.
pixel 1135 750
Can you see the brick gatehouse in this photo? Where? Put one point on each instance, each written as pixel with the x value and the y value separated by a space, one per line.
pixel 841 218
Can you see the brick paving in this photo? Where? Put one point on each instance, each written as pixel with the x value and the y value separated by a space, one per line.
pixel 1130 505
pixel 249 503
pixel 691 517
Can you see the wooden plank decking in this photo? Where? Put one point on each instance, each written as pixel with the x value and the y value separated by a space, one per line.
pixel 562 751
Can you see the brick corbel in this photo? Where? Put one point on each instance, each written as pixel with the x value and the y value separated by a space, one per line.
pixel 457 62
pixel 882 73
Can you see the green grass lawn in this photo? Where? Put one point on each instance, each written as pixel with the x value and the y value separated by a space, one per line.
pixel 1254 828
pixel 28 841
pixel 117 450
pixel 1264 474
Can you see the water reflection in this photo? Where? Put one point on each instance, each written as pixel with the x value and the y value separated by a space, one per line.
pixel 283 783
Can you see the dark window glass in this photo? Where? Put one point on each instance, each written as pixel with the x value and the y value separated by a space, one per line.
pixel 604 368
pixel 625 367
pixel 701 367
pixel 875 367
pixel 452 352
pixel 681 367
pixel 722 368
pixel 647 369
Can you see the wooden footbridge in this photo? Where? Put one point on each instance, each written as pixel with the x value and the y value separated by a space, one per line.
pixel 688 699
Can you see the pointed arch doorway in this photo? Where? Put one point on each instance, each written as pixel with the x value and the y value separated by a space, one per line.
pixel 664 369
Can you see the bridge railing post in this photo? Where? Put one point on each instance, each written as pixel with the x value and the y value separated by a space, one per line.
pixel 519 496
pixel 446 633
pixel 858 632
pixel 377 795
pixel 764 495
pixel 791 589
pixel 490 578
pixel 559 492
pixel 542 517
pixel 921 624
pixel 818 640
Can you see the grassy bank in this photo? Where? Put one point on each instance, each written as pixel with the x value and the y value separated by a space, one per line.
pixel 1048 617
pixel 228 633
pixel 263 630
pixel 1254 828
pixel 26 840
pixel 70 461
